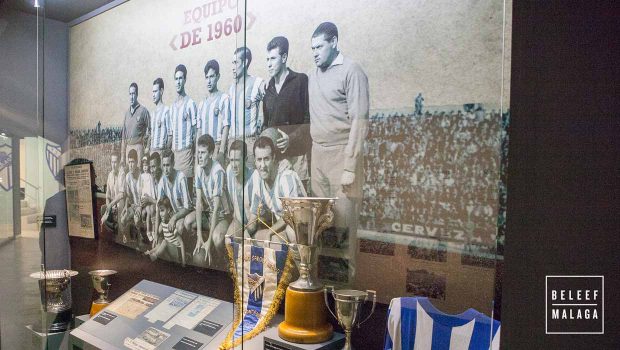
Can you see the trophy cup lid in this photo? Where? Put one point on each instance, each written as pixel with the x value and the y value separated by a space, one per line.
pixel 102 273
pixel 53 274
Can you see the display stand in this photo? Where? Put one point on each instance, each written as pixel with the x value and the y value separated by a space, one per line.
pixel 273 342
pixel 48 341
pixel 155 316
pixel 271 333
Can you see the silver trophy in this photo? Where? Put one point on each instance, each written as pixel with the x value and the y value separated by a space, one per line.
pixel 101 283
pixel 55 298
pixel 308 217
pixel 347 303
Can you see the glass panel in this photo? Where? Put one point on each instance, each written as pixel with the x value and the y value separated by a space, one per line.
pixel 402 119
pixel 23 319
pixel 256 154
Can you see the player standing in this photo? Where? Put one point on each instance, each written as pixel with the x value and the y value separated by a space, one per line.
pixel 339 108
pixel 246 93
pixel 183 115
pixel 214 111
pixel 161 130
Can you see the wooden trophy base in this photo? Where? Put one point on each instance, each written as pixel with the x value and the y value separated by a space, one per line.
pixel 305 318
pixel 96 307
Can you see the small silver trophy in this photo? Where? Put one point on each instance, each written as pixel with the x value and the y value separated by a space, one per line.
pixel 347 303
pixel 101 283
pixel 55 298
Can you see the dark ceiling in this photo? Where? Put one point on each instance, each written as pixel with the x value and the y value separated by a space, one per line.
pixel 60 10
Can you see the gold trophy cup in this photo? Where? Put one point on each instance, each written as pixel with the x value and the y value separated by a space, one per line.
pixel 347 303
pixel 305 316
pixel 101 283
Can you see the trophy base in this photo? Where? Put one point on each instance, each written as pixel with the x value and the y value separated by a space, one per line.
pixel 305 318
pixel 95 307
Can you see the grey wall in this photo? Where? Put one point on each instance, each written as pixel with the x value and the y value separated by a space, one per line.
pixel 18 76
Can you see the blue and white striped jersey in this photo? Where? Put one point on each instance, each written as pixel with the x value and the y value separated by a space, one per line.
pixel 115 184
pixel 245 110
pixel 132 189
pixel 183 116
pixel 214 115
pixel 212 185
pixel 175 190
pixel 235 192
pixel 286 184
pixel 415 324
pixel 161 130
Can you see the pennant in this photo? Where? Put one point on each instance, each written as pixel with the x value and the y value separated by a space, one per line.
pixel 261 276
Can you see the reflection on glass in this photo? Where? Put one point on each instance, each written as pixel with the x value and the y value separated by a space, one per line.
pixel 6 186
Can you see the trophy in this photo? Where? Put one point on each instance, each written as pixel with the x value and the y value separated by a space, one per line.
pixel 101 283
pixel 55 298
pixel 347 303
pixel 305 317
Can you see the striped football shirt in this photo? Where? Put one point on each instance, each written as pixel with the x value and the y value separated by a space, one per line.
pixel 414 323
pixel 286 184
pixel 132 189
pixel 183 117
pixel 244 107
pixel 161 130
pixel 214 115
pixel 212 185
pixel 175 190
pixel 235 192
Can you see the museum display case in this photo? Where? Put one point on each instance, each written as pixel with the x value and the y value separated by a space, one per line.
pixel 277 174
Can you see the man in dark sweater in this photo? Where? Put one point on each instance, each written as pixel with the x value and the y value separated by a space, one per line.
pixel 285 107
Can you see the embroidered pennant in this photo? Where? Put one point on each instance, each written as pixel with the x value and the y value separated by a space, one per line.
pixel 261 276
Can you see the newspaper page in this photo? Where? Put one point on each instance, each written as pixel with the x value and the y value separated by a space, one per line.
pixel 133 303
pixel 150 339
pixel 78 183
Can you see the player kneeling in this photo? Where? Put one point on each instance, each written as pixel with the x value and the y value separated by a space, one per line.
pixel 212 200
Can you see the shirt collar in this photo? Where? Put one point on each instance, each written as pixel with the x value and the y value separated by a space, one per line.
pixel 289 76
pixel 338 60
pixel 133 110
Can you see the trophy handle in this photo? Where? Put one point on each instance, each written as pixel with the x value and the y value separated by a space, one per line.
pixel 374 303
pixel 329 289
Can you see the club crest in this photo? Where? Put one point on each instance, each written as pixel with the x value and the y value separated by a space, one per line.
pixel 52 155
pixel 256 283
pixel 6 160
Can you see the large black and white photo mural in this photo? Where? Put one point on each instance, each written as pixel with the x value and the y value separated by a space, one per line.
pixel 202 116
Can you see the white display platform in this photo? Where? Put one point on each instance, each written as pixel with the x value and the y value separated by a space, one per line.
pixel 154 316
